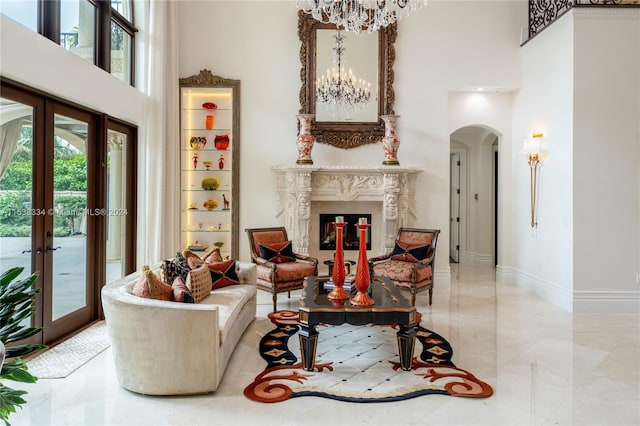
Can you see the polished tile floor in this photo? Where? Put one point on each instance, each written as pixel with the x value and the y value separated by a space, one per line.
pixel 546 366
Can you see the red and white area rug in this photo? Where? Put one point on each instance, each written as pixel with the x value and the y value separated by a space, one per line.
pixel 357 364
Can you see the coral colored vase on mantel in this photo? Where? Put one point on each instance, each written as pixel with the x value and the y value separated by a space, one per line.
pixel 363 279
pixel 390 142
pixel 305 139
pixel 338 275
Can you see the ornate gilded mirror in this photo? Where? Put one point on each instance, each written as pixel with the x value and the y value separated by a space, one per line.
pixel 316 50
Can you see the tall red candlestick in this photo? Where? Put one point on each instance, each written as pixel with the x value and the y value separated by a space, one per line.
pixel 363 280
pixel 338 292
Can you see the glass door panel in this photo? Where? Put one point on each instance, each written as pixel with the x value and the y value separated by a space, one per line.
pixel 116 204
pixel 70 214
pixel 17 210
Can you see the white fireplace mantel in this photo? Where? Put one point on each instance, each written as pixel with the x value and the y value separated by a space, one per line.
pixel 299 185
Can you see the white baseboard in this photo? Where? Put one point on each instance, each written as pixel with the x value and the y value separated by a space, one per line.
pixel 572 301
pixel 442 276
pixel 478 259
pixel 627 302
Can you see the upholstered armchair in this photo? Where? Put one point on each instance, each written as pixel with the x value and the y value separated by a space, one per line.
pixel 279 269
pixel 410 265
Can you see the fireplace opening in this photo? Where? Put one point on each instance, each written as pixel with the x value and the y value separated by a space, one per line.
pixel 350 233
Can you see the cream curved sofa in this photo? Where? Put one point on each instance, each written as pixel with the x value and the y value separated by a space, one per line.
pixel 171 348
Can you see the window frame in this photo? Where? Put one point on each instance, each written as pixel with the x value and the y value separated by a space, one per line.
pixel 49 27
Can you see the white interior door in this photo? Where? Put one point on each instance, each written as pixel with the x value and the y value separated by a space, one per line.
pixel 454 216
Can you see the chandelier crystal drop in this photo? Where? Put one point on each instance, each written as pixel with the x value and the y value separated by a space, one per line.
pixel 359 15
pixel 340 88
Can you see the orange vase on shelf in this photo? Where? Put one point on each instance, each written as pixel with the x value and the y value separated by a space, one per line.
pixel 209 122
pixel 363 279
pixel 338 276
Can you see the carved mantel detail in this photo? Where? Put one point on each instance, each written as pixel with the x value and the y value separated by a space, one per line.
pixel 299 185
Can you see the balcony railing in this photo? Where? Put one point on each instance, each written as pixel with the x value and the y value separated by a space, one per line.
pixel 544 12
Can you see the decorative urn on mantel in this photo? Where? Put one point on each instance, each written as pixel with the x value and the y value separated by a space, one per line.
pixel 390 141
pixel 305 139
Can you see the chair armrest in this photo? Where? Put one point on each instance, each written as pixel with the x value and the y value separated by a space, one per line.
pixel 264 262
pixel 427 260
pixel 306 258
pixel 380 258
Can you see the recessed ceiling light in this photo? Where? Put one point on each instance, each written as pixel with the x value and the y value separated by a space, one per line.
pixel 480 89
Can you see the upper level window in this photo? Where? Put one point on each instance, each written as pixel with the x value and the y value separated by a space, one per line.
pixel 99 31
pixel 120 53
pixel 78 28
pixel 123 7
pixel 22 11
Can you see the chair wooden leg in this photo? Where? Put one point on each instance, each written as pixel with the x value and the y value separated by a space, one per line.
pixel 289 294
pixel 275 299
pixel 430 295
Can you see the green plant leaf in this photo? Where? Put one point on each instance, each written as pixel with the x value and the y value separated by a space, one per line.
pixel 10 275
pixel 22 350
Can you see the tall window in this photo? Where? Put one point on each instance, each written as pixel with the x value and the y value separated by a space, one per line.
pixel 101 32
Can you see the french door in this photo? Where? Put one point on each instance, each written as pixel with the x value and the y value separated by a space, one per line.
pixel 53 193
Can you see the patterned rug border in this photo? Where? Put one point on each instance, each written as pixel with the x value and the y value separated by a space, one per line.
pixel 435 366
pixel 66 357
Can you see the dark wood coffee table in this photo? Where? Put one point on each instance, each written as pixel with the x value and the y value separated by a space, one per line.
pixel 391 307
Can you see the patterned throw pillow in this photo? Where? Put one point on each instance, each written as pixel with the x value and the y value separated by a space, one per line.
pixel 176 267
pixel 140 288
pixel 181 292
pixel 157 289
pixel 409 253
pixel 277 252
pixel 193 260
pixel 223 273
pixel 213 256
pixel 199 283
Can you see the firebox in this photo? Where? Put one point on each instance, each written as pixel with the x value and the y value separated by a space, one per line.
pixel 350 233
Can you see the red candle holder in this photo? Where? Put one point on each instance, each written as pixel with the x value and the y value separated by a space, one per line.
pixel 363 279
pixel 338 292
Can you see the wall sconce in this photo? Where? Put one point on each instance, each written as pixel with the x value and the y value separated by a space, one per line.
pixel 536 151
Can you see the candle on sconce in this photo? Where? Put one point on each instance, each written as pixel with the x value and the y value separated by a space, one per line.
pixel 339 219
pixel 362 221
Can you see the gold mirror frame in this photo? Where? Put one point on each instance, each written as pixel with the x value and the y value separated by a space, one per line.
pixel 345 134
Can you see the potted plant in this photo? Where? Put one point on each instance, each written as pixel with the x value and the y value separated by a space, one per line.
pixel 16 304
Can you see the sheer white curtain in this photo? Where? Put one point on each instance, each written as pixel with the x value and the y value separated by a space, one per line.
pixel 158 144
pixel 9 135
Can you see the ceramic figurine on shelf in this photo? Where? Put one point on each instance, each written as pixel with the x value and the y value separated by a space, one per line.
pixel 221 162
pixel 225 202
pixel 195 160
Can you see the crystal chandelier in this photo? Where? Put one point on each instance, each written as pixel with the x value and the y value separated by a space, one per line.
pixel 340 88
pixel 359 15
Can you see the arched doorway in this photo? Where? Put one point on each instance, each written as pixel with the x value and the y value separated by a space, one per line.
pixel 473 195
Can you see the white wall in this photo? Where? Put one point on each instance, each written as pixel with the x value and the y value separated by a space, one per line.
pixel 490 111
pixel 261 48
pixel 543 256
pixel 605 157
pixel 57 72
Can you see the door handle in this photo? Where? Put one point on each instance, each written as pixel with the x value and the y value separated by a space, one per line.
pixel 49 249
pixel 38 251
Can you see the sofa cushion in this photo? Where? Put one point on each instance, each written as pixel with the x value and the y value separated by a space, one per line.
pixel 279 252
pixel 223 273
pixel 230 301
pixel 399 271
pixel 199 283
pixel 181 292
